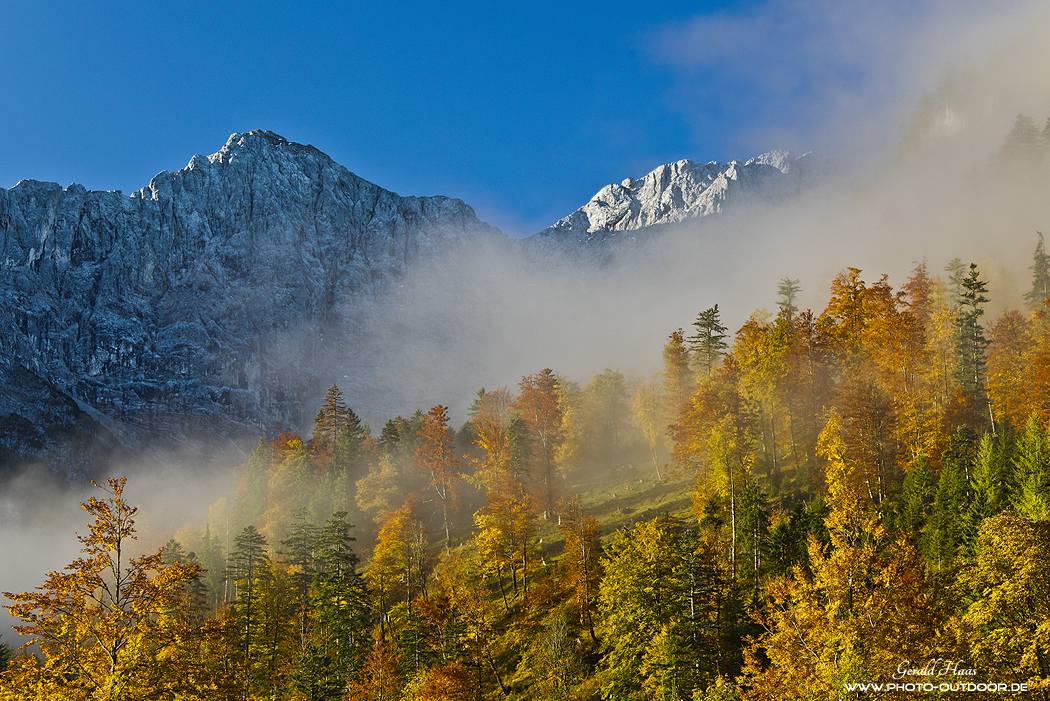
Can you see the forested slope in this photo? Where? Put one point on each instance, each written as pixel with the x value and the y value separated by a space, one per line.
pixel 818 500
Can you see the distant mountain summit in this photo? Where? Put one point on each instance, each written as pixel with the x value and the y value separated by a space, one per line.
pixel 197 306
pixel 680 191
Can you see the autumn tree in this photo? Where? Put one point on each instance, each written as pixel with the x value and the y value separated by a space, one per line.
pixel 112 626
pixel 715 440
pixel 436 457
pixel 1007 625
pixel 539 407
pixel 648 413
pixel 505 529
pixel 398 561
pixel 582 571
pixel 592 426
pixel 859 442
pixel 1012 368
pixel 638 598
pixel 864 605
pixel 678 378
pixel 760 351
pixel 606 397
pixel 505 534
pixel 380 678
pixel 383 489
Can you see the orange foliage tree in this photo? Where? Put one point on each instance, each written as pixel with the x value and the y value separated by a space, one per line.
pixel 436 457
pixel 541 411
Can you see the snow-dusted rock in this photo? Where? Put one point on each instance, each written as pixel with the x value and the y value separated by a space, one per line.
pixel 684 190
pixel 198 305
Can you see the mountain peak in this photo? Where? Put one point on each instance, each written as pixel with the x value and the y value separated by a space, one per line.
pixel 683 190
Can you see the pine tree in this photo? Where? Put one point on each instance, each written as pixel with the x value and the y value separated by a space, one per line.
pixel 5 655
pixel 1040 276
pixel 709 343
pixel 946 527
pixel 331 418
pixel 299 552
pixel 754 532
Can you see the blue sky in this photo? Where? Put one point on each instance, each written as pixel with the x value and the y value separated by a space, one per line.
pixel 522 110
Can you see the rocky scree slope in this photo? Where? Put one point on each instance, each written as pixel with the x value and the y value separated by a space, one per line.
pixel 677 192
pixel 202 306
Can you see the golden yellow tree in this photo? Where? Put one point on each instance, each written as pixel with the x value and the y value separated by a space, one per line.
pixel 1007 626
pixel 111 626
pixel 866 607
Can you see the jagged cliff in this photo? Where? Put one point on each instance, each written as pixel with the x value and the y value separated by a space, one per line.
pixel 203 304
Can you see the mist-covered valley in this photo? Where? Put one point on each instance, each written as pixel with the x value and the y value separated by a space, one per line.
pixel 966 178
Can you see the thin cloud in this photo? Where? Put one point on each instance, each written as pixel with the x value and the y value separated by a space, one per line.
pixel 826 75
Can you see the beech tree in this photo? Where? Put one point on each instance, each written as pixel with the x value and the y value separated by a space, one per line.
pixel 540 409
pixel 582 570
pixel 113 626
pixel 678 378
pixel 647 411
pixel 436 457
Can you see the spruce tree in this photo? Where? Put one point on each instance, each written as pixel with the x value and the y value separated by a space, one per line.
pixel 956 274
pixel 709 342
pixel 946 528
pixel 754 536
pixel 340 602
pixel 990 484
pixel 1024 143
pixel 970 342
pixel 1040 268
pixel 787 291
pixel 915 497
pixel 6 653
pixel 1031 468
pixel 248 566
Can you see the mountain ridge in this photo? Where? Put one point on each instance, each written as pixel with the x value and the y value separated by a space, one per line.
pixel 217 302
pixel 169 311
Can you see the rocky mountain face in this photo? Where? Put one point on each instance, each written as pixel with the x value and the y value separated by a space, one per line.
pixel 680 191
pixel 218 303
pixel 198 306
